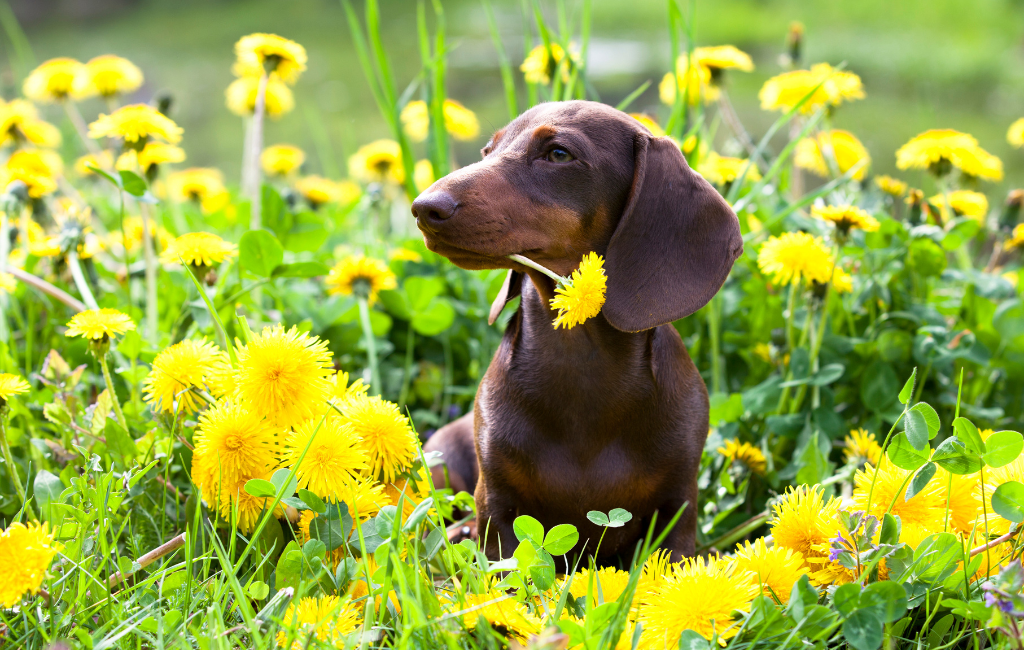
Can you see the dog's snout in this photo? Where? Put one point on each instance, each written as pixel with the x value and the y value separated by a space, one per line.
pixel 434 206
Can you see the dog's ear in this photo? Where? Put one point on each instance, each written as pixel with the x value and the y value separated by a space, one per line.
pixel 675 242
pixel 512 287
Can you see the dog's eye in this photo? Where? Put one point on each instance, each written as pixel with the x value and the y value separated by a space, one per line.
pixel 560 156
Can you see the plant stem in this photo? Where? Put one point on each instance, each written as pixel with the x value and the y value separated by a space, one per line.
pixel 80 281
pixel 150 260
pixel 371 346
pixel 410 341
pixel 881 458
pixel 75 117
pixel 113 394
pixel 257 148
pixel 527 262
pixel 12 469
pixel 714 333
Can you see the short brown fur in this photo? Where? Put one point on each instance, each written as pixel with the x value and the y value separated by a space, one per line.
pixel 612 413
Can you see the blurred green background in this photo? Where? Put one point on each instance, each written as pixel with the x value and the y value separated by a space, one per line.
pixel 924 63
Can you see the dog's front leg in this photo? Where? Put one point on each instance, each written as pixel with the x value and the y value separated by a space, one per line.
pixel 682 539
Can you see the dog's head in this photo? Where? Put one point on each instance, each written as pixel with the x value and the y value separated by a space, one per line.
pixel 567 178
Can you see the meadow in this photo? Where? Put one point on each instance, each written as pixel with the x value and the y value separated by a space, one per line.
pixel 214 392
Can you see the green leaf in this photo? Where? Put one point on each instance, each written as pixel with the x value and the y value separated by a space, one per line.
pixel 692 640
pixel 420 290
pixel 259 487
pixel 827 374
pixel 618 517
pixel 259 252
pixel 890 533
pixel 258 590
pixel 96 170
pixel 396 303
pixel 543 571
pixel 119 442
pixel 917 430
pixel 315 503
pixel 597 517
pixel 1003 448
pixel 525 554
pixel 438 317
pixel 887 599
pixel 419 513
pixel 863 630
pixel 920 480
pixel 132 183
pixel 561 539
pixel 908 388
pixel 814 464
pixel 931 418
pixel 968 434
pixel 526 527
pixel 725 407
pixel 280 477
pixel 904 455
pixel 1008 501
pixel 332 528
pixel 130 345
pixel 300 270
pixel 846 598
pixel 47 489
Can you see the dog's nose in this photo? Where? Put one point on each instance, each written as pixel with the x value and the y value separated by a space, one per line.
pixel 434 206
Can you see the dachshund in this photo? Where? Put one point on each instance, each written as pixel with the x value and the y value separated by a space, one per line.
pixel 611 413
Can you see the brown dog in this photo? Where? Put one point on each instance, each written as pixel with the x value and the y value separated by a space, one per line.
pixel 612 413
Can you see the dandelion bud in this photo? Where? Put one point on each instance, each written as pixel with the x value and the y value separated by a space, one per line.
pixel 1011 210
pixel 795 42
pixel 915 199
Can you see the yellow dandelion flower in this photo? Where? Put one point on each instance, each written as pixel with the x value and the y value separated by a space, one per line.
pixel 609 583
pixel 99 324
pixel 103 160
pixel 964 497
pixel 723 57
pixel 542 62
pixel 862 447
pixel 1015 134
pixel 802 519
pixel 342 391
pixel 836 150
pixel 284 375
pixel 939 150
pixel 582 297
pixel 891 186
pixel 282 159
pixel 649 123
pixel 656 567
pixel 179 369
pixel 697 595
pixel 795 256
pixel 7 283
pixel 325 618
pixel 108 76
pixel 244 507
pixel 198 249
pixel 423 175
pixel 52 80
pixel 37 168
pixel 405 255
pixel 11 385
pixel 775 569
pixel 845 217
pixel 240 96
pixel 334 456
pixel 825 85
pixel 842 282
pixel 202 184
pixel 25 555
pixel 387 435
pixel 1017 238
pixel 504 614
pixel 460 122
pixel 966 203
pixel 318 190
pixel 913 534
pixel 359 275
pixel 378 162
pixel 136 123
pixel 926 509
pixel 693 80
pixel 745 453
pixel 158 153
pixel 257 53
pixel 722 170
pixel 20 122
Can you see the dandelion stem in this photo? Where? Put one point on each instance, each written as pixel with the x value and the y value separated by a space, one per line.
pixel 371 345
pixel 150 260
pixel 256 149
pixel 410 342
pixel 527 262
pixel 12 469
pixel 75 117
pixel 80 281
pixel 714 334
pixel 113 394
